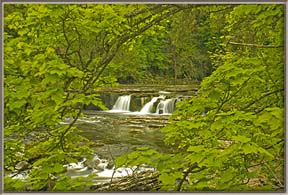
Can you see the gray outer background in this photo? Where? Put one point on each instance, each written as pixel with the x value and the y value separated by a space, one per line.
pixel 132 2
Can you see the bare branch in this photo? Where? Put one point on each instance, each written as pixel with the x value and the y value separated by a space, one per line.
pixel 255 45
pixel 224 9
pixel 64 133
pixel 191 169
pixel 263 96
pixel 79 46
pixel 67 41
pixel 141 11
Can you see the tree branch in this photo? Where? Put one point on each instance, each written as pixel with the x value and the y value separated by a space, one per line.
pixel 224 9
pixel 79 47
pixel 66 130
pixel 263 96
pixel 255 45
pixel 124 38
pixel 141 11
pixel 67 41
pixel 190 170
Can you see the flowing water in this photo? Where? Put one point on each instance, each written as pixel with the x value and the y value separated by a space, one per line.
pixel 114 134
pixel 119 131
pixel 122 132
pixel 166 106
pixel 122 103
pixel 149 106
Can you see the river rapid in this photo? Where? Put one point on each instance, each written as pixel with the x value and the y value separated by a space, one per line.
pixel 119 131
pixel 114 133
pixel 122 132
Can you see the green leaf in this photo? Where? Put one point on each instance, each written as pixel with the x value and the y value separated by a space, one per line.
pixel 166 179
pixel 241 138
pixel 58 168
pixel 263 151
pixel 196 149
pixel 120 161
pixel 248 148
pixel 215 94
pixel 17 104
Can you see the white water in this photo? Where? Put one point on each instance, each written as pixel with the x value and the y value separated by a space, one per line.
pixel 149 106
pixel 76 166
pixel 165 106
pixel 104 172
pixel 80 170
pixel 122 103
pixel 22 175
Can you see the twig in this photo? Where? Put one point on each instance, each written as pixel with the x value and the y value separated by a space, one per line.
pixel 141 11
pixel 190 170
pixel 274 175
pixel 66 130
pixel 224 9
pixel 263 96
pixel 114 170
pixel 255 45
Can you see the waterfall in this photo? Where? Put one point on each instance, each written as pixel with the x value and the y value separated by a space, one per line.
pixel 165 106
pixel 122 103
pixel 149 106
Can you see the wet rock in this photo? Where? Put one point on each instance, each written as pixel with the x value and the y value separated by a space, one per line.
pixel 21 165
pixel 110 164
pixel 135 131
pixel 97 144
pixel 155 126
pixel 19 154
pixel 92 163
pixel 101 166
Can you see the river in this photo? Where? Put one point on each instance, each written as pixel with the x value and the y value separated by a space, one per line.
pixel 114 134
pixel 122 132
pixel 119 131
pixel 122 129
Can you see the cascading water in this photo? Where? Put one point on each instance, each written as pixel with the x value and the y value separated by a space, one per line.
pixel 149 106
pixel 165 106
pixel 122 103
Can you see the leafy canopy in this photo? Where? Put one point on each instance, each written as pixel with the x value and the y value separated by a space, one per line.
pixel 230 136
pixel 56 59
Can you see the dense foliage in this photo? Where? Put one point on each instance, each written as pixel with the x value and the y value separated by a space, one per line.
pixel 229 137
pixel 56 60
pixel 177 51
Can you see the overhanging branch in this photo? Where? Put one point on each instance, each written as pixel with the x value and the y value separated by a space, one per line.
pixel 255 45
pixel 263 96
pixel 120 41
